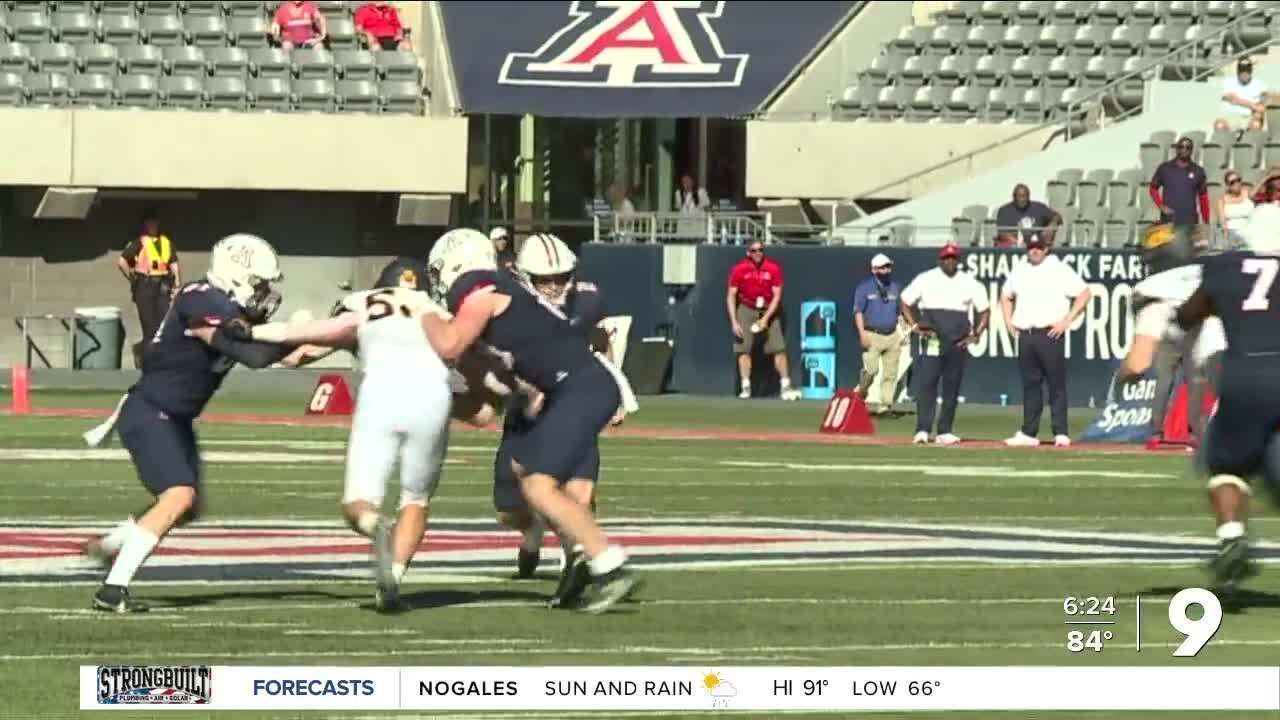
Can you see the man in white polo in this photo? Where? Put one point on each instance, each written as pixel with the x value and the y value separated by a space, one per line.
pixel 1041 298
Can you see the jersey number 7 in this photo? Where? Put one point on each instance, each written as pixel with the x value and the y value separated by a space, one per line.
pixel 1265 269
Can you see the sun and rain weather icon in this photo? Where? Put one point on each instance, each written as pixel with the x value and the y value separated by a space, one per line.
pixel 719 689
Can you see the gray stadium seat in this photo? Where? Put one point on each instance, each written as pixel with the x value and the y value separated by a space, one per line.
pixel 1197 137
pixel 1070 175
pixel 246 8
pixel 1270 155
pixel 1070 11
pixel 270 63
pixel 1120 230
pixel 922 106
pixel 952 15
pixel 55 58
pixel 333 9
pixel 1063 236
pixel 358 96
pixel 1251 176
pixel 1058 194
pixel 398 65
pixel 250 32
pixel 187 61
pixel 184 93
pixel 977 213
pixel 996 11
pixel 1213 158
pixel 1017 40
pixel 119 30
pixel 915 72
pixel 15 58
pixel 1144 9
pixel 1251 33
pixel 160 7
pixel 206 30
pixel 202 7
pixel 1071 105
pixel 964 231
pixel 883 70
pixel 76 28
pixel 945 39
pixel 102 59
pixel 1161 39
pixel 990 71
pixel 342 34
pixel 163 30
pixel 858 101
pixel 963 104
pixel 999 104
pixel 314 95
pixel 1181 11
pixel 28 5
pixel 1031 12
pixel 141 60
pixel 1225 138
pixel 953 71
pixel 1109 13
pixel 358 64
pixel 1099 71
pixel 1030 107
pixel 82 6
pixel 52 89
pixel 30 27
pixel 1090 227
pixel 223 62
pixel 1124 42
pixel 93 90
pixel 1093 189
pixel 909 41
pixel 1027 71
pixel 313 64
pixel 1122 190
pixel 270 94
pixel 1089 40
pixel 1052 40
pixel 982 39
pixel 138 91
pixel 117 8
pixel 1147 211
pixel 1062 71
pixel 12 93
pixel 1247 152
pixel 889 104
pixel 226 93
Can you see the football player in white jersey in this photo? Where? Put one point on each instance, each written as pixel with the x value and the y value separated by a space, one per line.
pixel 402 413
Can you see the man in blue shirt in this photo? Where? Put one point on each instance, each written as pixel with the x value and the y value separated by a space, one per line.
pixel 876 308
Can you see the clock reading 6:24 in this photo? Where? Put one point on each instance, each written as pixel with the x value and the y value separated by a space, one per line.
pixel 1089 606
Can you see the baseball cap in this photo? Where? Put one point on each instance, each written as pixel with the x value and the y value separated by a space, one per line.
pixel 880 260
pixel 497 233
pixel 949 251
pixel 1037 241
pixel 1245 65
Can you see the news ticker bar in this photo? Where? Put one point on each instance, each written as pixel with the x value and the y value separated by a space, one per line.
pixel 679 688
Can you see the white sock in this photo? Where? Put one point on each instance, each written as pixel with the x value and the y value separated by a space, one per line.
pixel 1230 530
pixel 398 570
pixel 606 562
pixel 533 534
pixel 134 551
pixel 367 522
pixel 746 384
pixel 785 383
pixel 112 541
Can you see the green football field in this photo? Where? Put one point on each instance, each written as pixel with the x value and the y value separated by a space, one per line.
pixel 757 549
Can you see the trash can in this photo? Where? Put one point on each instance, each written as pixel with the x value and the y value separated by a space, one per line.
pixel 818 325
pixel 819 381
pixel 99 338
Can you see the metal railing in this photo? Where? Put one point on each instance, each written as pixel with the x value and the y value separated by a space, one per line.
pixel 722 227
pixel 1082 106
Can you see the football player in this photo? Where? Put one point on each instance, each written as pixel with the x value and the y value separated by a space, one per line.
pixel 190 356
pixel 402 413
pixel 549 266
pixel 579 393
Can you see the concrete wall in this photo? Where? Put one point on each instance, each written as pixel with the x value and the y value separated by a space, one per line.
pixel 209 150
pixel 831 159
pixel 851 50
pixel 54 266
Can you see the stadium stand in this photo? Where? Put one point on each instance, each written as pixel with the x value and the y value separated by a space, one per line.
pixel 1050 54
pixel 93 53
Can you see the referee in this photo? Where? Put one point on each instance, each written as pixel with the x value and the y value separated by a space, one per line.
pixel 1038 304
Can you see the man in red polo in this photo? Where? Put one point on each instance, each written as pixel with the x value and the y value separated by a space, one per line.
pixel 753 302
pixel 379 23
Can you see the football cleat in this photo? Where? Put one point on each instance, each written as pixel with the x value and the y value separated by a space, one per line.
pixel 114 598
pixel 386 597
pixel 1232 564
pixel 527 563
pixel 97 554
pixel 575 576
pixel 610 589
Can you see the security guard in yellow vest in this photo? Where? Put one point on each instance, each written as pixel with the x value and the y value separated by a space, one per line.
pixel 150 264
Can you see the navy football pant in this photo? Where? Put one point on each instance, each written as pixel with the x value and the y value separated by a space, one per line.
pixel 163 448
pixel 1042 358
pixel 948 368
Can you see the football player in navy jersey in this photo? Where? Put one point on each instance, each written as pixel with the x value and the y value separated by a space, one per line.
pixel 179 376
pixel 549 266
pixel 579 394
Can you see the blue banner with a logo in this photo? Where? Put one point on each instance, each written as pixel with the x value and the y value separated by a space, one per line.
pixel 630 58
pixel 1125 417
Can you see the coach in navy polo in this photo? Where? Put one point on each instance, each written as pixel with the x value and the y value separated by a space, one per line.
pixel 877 305
pixel 940 303
pixel 1180 190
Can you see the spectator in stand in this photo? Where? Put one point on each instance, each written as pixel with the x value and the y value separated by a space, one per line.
pixel 1268 189
pixel 299 24
pixel 619 202
pixel 379 23
pixel 1243 99
pixel 691 199
pixel 754 301
pixel 150 264
pixel 877 305
pixel 1019 221
pixel 1180 190
pixel 502 247
pixel 1234 208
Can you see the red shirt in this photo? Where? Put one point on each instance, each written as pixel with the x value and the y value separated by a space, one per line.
pixel 381 21
pixel 756 285
pixel 297 22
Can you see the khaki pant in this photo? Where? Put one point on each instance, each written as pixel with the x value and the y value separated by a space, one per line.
pixel 881 354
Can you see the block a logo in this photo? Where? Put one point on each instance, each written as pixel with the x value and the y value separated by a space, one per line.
pixel 631 44
pixel 154 684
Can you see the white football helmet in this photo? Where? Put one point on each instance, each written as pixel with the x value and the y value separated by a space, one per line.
pixel 548 263
pixel 244 266
pixel 1262 233
pixel 457 252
